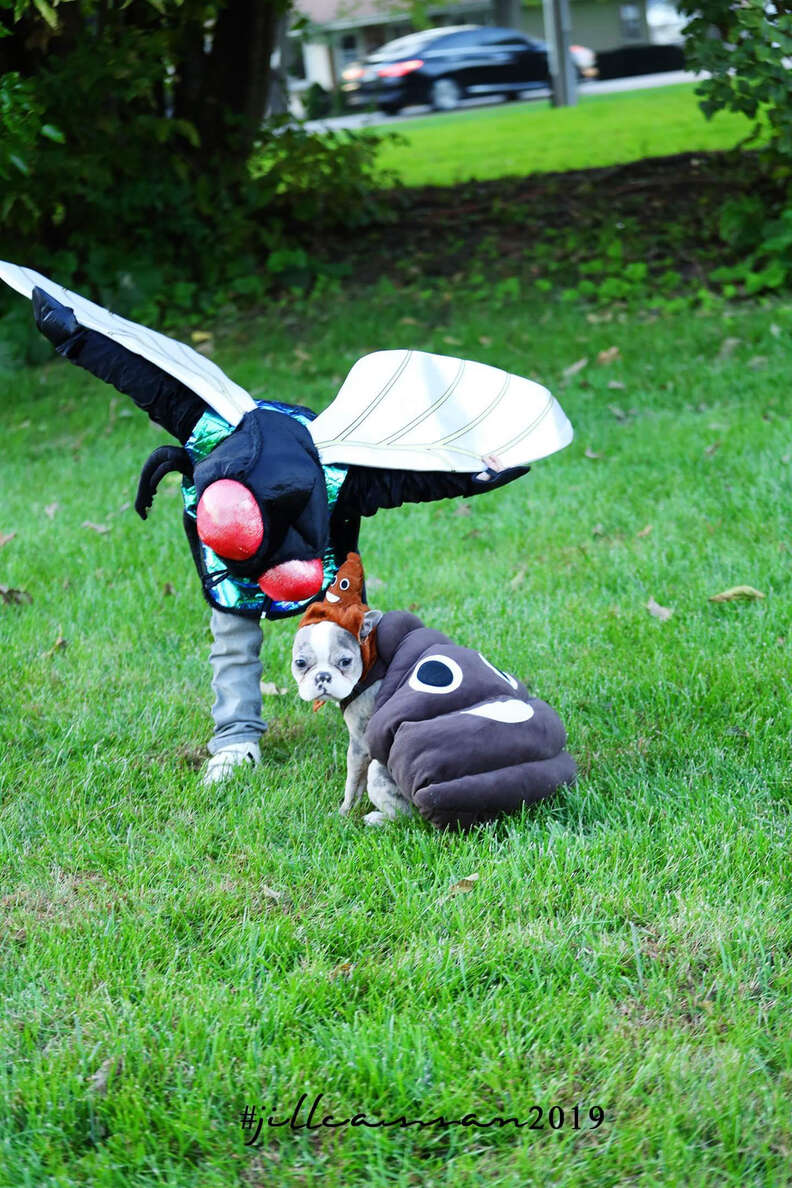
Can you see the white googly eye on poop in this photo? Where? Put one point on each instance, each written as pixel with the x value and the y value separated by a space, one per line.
pixel 343 584
pixel 436 674
pixel 499 672
pixel 510 710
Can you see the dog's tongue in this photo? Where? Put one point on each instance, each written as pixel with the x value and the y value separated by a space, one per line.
pixel 293 581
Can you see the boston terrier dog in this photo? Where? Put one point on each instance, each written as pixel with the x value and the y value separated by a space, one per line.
pixel 432 725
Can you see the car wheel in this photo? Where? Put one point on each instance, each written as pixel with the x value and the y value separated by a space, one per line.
pixel 445 94
pixel 390 108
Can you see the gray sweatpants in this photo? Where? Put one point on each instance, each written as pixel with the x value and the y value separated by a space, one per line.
pixel 236 679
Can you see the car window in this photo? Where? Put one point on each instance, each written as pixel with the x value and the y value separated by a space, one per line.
pixel 464 40
pixel 509 37
pixel 406 47
pixel 490 36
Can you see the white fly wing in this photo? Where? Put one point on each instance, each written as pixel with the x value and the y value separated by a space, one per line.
pixel 415 411
pixel 195 371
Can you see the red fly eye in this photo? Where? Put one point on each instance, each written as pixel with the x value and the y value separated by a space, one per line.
pixel 229 520
pixel 293 581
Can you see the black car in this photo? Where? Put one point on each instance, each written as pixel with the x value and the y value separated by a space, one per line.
pixel 442 66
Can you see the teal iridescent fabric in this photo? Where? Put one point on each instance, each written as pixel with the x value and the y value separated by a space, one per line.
pixel 236 593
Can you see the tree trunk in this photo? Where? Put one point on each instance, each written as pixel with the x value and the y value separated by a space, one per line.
pixel 236 79
pixel 507 13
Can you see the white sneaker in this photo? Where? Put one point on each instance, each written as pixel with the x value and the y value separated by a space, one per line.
pixel 224 763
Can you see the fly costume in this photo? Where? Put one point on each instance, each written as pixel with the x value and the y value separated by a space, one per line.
pixel 273 495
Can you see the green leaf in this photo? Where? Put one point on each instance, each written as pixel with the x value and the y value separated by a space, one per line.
pixel 53 133
pixel 48 12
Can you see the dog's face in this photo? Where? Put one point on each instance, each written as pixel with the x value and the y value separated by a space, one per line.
pixel 326 662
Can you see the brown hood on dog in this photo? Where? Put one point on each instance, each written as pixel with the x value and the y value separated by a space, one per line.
pixel 343 604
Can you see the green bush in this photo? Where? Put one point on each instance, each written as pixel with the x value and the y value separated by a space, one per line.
pixel 747 50
pixel 104 185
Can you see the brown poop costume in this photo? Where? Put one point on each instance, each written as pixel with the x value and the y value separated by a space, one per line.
pixel 464 741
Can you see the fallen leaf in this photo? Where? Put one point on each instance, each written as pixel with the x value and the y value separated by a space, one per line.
pixel 13 597
pixel 101 1078
pixel 659 612
pixel 408 322
pixel 574 368
pixel 58 646
pixel 374 583
pixel 5 537
pixel 344 970
pixel 598 530
pixel 617 412
pixel 775 330
pixel 270 690
pixel 449 341
pixel 787 458
pixel 50 509
pixel 462 887
pixel 518 578
pixel 616 385
pixel 462 509
pixel 100 528
pixel 124 507
pixel 270 892
pixel 728 347
pixel 590 454
pixel 645 531
pixel 111 414
pixel 485 341
pixel 201 336
pixel 609 355
pixel 713 449
pixel 168 590
pixel 757 362
pixel 736 592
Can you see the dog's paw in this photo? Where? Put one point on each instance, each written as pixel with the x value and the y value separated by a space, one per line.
pixel 376 818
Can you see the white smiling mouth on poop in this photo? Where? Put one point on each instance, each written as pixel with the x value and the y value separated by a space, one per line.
pixel 332 597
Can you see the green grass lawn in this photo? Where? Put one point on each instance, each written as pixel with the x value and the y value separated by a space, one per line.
pixel 627 946
pixel 516 139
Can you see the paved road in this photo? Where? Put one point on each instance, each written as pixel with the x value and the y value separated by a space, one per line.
pixel 643 82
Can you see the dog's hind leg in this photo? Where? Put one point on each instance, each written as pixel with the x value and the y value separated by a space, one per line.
pixel 385 795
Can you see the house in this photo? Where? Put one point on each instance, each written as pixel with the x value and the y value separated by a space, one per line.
pixel 331 34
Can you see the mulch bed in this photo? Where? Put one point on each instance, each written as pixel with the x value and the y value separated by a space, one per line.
pixel 665 207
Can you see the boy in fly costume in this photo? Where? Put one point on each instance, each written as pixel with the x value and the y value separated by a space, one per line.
pixel 273 495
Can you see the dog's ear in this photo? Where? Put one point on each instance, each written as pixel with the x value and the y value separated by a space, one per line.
pixel 370 620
